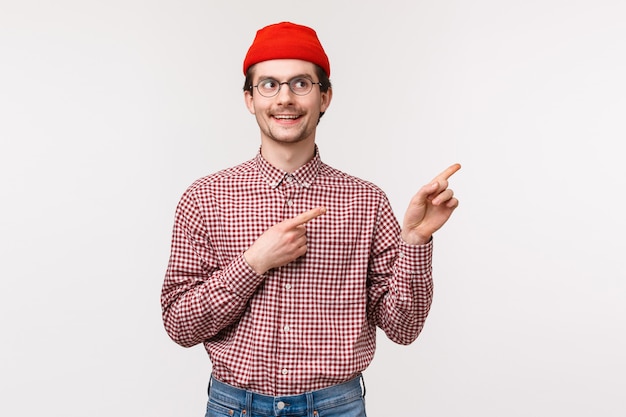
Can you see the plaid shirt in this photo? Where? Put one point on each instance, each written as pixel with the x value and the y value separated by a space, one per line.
pixel 311 323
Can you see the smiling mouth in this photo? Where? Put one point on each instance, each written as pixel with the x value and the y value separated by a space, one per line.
pixel 286 117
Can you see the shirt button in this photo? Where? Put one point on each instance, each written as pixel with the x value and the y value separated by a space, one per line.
pixel 287 286
pixel 286 328
pixel 289 179
pixel 280 405
pixel 284 372
pixel 289 203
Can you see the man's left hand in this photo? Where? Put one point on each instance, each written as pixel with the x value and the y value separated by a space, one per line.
pixel 429 209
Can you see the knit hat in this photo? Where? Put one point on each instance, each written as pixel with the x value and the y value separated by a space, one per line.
pixel 286 40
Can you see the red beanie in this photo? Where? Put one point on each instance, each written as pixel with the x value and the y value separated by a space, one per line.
pixel 286 40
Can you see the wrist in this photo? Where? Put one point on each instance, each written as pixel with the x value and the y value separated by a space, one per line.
pixel 249 259
pixel 415 239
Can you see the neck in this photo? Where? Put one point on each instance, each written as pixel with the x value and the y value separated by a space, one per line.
pixel 288 157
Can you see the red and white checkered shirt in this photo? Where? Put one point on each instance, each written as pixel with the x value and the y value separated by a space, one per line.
pixel 309 324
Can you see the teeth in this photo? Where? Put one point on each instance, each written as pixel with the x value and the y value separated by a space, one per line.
pixel 286 117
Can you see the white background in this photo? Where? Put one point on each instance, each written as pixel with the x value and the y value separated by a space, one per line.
pixel 110 109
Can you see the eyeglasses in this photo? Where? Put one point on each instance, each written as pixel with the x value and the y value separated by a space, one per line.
pixel 300 86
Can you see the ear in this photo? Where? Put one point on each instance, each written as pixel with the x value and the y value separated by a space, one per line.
pixel 326 99
pixel 247 96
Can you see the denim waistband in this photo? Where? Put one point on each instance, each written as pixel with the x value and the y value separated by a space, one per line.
pixel 237 398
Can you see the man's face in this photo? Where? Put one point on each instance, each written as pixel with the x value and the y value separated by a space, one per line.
pixel 286 117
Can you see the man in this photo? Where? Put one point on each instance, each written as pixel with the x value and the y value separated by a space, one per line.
pixel 283 266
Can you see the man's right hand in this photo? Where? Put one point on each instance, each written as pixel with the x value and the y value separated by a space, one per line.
pixel 282 243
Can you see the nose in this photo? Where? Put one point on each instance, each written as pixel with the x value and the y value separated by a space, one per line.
pixel 284 92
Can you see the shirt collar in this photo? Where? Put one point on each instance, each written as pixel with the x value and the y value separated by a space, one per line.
pixel 304 176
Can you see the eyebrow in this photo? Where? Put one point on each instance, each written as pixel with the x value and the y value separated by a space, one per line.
pixel 265 77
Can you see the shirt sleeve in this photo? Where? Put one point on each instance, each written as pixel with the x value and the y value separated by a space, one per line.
pixel 400 284
pixel 199 297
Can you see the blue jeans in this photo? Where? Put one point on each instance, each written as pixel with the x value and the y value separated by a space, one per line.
pixel 342 400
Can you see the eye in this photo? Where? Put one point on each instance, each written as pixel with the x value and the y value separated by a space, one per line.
pixel 268 84
pixel 300 84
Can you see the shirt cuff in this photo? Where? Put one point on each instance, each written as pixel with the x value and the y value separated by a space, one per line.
pixel 241 278
pixel 415 259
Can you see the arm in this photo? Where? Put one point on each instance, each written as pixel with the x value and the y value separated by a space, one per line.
pixel 402 297
pixel 400 284
pixel 200 297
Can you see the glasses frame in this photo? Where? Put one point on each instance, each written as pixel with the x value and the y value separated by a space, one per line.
pixel 280 85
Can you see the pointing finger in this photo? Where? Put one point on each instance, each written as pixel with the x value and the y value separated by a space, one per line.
pixel 307 216
pixel 447 173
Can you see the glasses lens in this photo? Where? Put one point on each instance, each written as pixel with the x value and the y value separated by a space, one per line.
pixel 268 87
pixel 300 86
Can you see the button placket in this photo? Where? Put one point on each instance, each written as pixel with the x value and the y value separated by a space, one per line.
pixel 289 189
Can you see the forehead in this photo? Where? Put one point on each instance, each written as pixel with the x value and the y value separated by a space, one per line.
pixel 283 68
